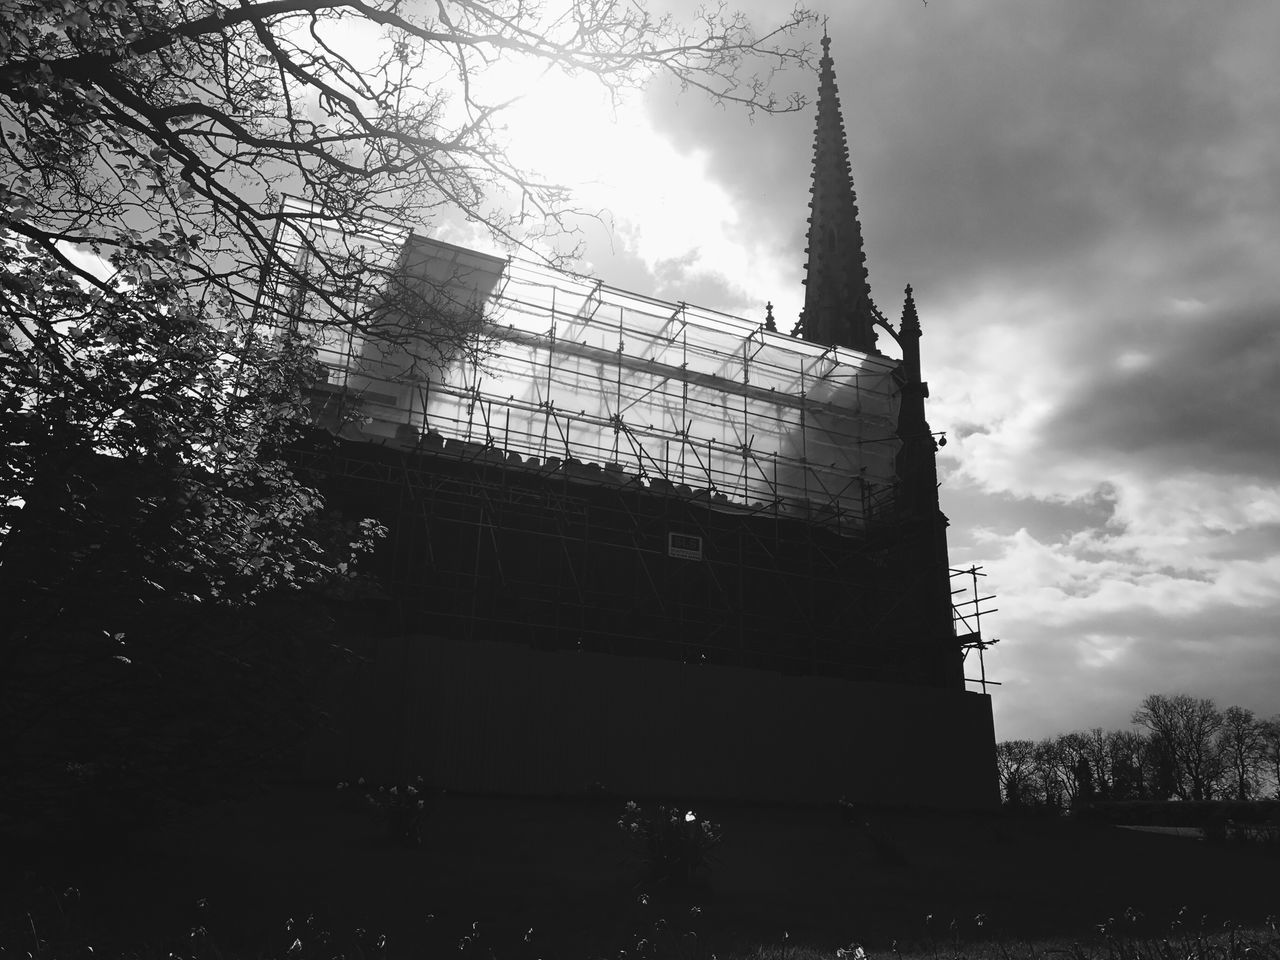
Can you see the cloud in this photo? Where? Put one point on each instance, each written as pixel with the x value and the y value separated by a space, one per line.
pixel 1204 393
pixel 1084 197
pixel 1096 624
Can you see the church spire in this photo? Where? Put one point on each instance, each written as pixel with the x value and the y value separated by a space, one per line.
pixel 917 465
pixel 837 298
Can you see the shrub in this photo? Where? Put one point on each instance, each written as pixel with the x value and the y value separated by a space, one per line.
pixel 402 807
pixel 674 845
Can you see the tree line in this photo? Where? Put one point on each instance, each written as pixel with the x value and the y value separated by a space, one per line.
pixel 1181 748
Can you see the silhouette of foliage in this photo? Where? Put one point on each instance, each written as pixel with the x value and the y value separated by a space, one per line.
pixel 167 130
pixel 146 507
pixel 674 845
pixel 1191 750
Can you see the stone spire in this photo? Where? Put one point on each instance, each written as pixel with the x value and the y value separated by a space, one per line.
pixel 923 526
pixel 909 334
pixel 837 298
pixel 917 460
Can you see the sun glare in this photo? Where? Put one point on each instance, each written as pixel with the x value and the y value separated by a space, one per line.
pixel 665 206
pixel 661 201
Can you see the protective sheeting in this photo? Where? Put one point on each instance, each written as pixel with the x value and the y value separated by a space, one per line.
pixel 548 365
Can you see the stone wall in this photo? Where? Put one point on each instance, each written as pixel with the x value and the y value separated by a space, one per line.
pixel 501 718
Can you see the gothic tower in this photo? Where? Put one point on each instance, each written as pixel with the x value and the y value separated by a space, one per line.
pixel 838 310
pixel 837 298
pixel 917 466
pixel 922 546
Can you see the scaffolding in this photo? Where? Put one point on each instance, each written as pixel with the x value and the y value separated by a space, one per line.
pixel 482 549
pixel 968 613
pixel 566 371
pixel 575 466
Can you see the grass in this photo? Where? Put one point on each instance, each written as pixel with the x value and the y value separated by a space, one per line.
pixel 676 939
pixel 490 870
pixel 1127 938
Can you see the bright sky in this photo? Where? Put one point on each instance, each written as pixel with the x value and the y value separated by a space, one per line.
pixel 621 163
pixel 1086 199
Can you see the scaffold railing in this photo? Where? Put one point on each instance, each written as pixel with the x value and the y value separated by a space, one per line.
pixel 463 352
pixel 967 613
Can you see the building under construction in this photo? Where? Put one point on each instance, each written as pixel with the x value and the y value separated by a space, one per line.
pixel 643 544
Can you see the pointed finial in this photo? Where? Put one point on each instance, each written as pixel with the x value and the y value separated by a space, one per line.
pixel 768 318
pixel 910 319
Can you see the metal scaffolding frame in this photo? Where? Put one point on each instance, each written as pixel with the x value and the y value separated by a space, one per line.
pixel 968 614
pixel 561 367
pixel 777 455
pixel 471 503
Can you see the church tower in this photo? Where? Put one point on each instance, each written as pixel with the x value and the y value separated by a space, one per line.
pixel 838 310
pixel 922 548
pixel 837 298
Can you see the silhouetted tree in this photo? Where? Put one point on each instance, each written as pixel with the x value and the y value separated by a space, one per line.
pixel 1052 788
pixel 161 133
pixel 1193 752
pixel 1014 763
pixel 1240 746
pixel 1096 749
pixel 1126 750
pixel 1269 734
pixel 1085 790
pixel 1162 769
pixel 145 503
pixel 1186 729
pixel 1073 767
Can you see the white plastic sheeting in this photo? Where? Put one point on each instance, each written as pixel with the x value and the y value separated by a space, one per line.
pixel 558 366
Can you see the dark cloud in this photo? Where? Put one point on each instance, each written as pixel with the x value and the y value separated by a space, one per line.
pixel 1206 396
pixel 1109 171
pixel 1010 142
pixel 678 279
pixel 970 510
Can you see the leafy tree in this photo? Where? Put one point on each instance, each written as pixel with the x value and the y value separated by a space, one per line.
pixel 1185 729
pixel 146 447
pixel 168 130
pixel 144 499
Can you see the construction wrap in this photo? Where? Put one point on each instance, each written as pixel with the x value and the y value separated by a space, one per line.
pixel 502 353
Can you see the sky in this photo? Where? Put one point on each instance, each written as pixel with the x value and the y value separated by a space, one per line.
pixel 1086 200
